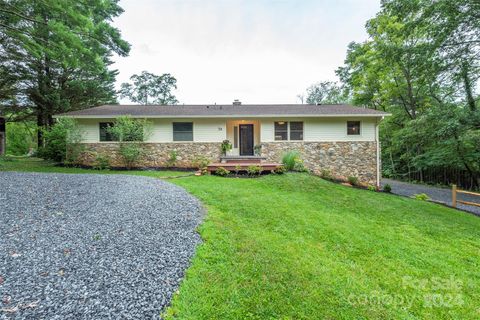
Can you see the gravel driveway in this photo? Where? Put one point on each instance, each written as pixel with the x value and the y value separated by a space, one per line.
pixel 443 195
pixel 92 246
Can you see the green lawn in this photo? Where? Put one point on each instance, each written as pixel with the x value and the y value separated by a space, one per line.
pixel 295 246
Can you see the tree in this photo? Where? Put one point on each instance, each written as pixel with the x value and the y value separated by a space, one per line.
pixel 148 88
pixel 57 53
pixel 326 92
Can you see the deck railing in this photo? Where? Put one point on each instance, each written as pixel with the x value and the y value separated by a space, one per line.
pixel 455 200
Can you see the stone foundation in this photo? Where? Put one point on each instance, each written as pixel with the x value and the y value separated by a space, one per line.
pixel 341 159
pixel 155 155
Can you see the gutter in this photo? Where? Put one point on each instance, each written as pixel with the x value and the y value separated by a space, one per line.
pixel 278 116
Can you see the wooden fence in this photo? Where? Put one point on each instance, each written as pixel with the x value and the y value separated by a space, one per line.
pixel 455 191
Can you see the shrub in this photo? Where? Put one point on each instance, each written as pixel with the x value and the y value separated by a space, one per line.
pixel 129 132
pixel 290 160
pixel 201 162
pixel 221 171
pixel 326 174
pixel 172 160
pixel 387 188
pixel 280 170
pixel 254 170
pixel 62 141
pixel 353 180
pixel 20 137
pixel 226 146
pixel 102 162
pixel 421 197
pixel 372 188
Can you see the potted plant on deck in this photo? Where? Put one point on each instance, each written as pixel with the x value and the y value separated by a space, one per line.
pixel 226 147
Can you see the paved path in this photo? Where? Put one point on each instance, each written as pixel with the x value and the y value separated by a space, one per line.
pixel 92 246
pixel 443 195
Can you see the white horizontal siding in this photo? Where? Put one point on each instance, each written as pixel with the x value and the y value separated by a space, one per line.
pixel 161 130
pixel 323 129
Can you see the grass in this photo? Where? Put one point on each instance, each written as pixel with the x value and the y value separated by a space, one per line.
pixel 295 246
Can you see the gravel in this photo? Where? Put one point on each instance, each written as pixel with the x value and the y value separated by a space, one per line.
pixel 92 246
pixel 443 195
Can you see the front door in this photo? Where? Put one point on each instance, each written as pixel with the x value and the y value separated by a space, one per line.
pixel 246 139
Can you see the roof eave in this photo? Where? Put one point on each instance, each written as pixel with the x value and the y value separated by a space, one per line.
pixel 225 116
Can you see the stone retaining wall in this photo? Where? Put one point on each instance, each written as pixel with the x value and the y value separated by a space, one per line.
pixel 341 159
pixel 155 154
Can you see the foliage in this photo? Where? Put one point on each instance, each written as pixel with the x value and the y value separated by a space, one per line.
pixel 421 63
pixel 62 142
pixel 353 180
pixel 326 174
pixel 253 170
pixel 55 56
pixel 221 171
pixel 280 170
pixel 292 161
pixel 226 146
pixel 257 149
pixel 237 169
pixel 387 188
pixel 266 233
pixel 130 132
pixel 201 162
pixel 20 138
pixel 421 196
pixel 326 93
pixel 148 85
pixel 102 162
pixel 372 188
pixel 172 159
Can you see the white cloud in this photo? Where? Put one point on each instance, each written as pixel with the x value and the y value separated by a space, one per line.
pixel 261 51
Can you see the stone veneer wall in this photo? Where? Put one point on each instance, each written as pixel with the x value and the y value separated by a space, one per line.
pixel 341 159
pixel 156 154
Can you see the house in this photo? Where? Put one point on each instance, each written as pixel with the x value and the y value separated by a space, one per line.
pixel 341 139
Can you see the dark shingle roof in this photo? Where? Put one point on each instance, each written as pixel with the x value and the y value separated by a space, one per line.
pixel 244 110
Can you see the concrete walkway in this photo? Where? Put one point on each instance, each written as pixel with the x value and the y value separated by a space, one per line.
pixel 443 195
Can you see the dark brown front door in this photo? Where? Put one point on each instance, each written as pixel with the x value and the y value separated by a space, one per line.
pixel 246 139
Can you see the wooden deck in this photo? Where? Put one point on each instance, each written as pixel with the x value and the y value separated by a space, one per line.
pixel 243 166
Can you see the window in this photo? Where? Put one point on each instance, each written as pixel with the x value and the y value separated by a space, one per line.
pixel 235 137
pixel 353 128
pixel 281 130
pixel 284 130
pixel 183 131
pixel 105 135
pixel 296 130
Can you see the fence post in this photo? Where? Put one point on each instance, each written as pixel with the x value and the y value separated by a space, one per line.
pixel 454 195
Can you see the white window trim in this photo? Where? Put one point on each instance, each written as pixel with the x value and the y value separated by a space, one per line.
pixel 354 135
pixel 288 131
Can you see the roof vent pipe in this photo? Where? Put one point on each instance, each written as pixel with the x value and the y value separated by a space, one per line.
pixel 237 102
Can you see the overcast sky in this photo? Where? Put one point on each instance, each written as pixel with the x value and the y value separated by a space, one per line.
pixel 258 51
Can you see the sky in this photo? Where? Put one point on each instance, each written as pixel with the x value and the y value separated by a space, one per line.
pixel 257 51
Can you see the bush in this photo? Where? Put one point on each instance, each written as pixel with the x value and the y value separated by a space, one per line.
pixel 130 152
pixel 237 169
pixel 62 142
pixel 326 174
pixel 372 188
pixel 280 170
pixel 172 160
pixel 290 160
pixel 353 180
pixel 102 162
pixel 21 138
pixel 201 162
pixel 421 197
pixel 221 171
pixel 387 188
pixel 254 170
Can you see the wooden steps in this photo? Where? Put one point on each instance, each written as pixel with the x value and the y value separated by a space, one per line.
pixel 243 166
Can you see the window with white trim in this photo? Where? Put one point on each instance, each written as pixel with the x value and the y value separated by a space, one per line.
pixel 285 130
pixel 182 131
pixel 353 128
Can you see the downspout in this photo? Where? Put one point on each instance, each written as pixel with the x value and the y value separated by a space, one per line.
pixel 377 141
